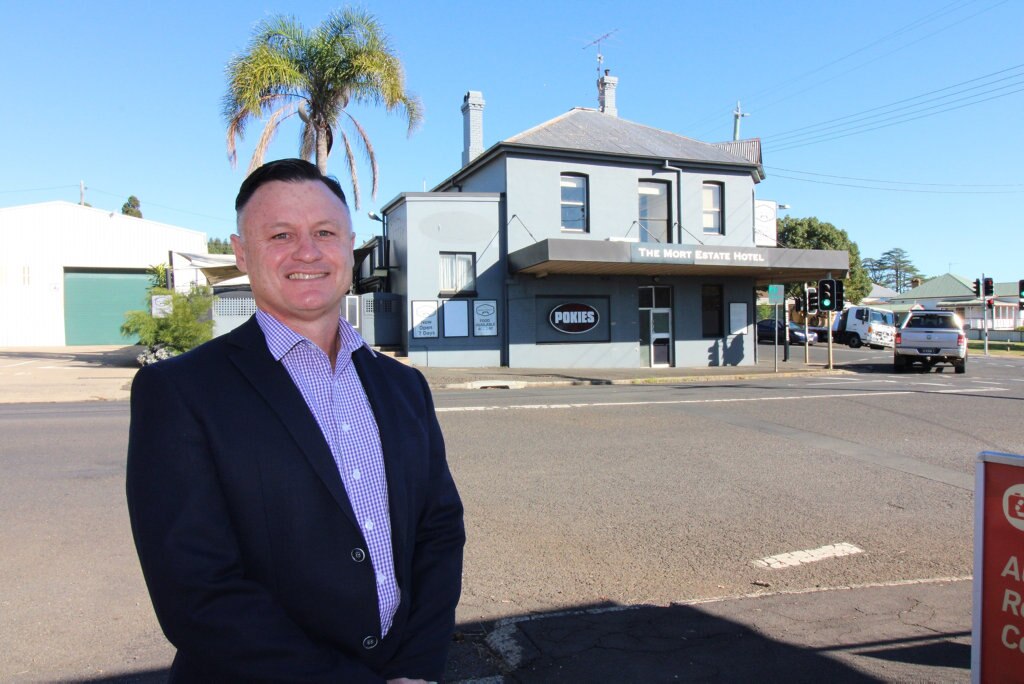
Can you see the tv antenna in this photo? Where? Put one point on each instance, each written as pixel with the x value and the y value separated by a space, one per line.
pixel 597 42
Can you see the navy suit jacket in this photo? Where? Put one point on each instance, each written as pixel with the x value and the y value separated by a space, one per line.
pixel 248 543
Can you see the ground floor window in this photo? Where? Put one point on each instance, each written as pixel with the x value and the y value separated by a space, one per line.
pixel 711 310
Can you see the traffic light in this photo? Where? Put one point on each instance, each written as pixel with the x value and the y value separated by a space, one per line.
pixel 990 304
pixel 798 304
pixel 977 287
pixel 989 288
pixel 812 300
pixel 1020 294
pixel 839 295
pixel 827 295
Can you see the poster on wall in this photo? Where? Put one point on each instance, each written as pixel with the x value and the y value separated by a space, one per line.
pixel 456 318
pixel 424 319
pixel 485 317
pixel 737 318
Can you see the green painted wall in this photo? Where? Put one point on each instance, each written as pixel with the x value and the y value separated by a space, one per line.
pixel 95 304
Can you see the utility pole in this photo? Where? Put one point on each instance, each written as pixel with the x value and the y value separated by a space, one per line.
pixel 81 193
pixel 736 116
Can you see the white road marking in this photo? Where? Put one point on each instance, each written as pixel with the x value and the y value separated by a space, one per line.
pixel 734 400
pixel 789 560
pixel 22 363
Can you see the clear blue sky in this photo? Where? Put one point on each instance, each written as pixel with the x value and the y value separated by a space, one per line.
pixel 126 96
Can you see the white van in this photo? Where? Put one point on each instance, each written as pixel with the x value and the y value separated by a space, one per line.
pixel 868 325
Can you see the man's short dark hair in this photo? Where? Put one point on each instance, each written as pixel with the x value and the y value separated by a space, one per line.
pixel 288 170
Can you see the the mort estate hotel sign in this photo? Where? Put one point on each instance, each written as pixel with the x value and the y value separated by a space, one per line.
pixel 648 253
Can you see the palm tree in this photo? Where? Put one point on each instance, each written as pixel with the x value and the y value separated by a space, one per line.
pixel 316 74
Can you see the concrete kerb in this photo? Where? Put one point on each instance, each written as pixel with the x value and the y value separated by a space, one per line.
pixel 503 383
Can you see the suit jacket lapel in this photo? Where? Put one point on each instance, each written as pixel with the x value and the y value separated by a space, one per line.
pixel 378 392
pixel 274 384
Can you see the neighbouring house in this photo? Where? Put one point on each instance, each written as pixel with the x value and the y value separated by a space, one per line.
pixel 68 272
pixel 586 241
pixel 955 293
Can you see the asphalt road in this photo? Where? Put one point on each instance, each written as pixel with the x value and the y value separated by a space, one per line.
pixel 575 496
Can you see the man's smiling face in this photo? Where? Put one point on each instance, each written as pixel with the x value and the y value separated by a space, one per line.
pixel 295 242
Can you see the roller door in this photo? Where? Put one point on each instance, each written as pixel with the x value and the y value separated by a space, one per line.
pixel 95 303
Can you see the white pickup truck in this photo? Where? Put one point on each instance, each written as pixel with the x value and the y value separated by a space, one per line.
pixel 928 338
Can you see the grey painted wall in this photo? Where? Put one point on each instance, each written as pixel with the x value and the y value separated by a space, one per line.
pixel 422 225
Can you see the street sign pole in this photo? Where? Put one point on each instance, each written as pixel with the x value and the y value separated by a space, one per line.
pixel 984 311
pixel 807 317
pixel 830 340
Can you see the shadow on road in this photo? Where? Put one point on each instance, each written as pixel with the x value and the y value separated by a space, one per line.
pixel 120 357
pixel 608 642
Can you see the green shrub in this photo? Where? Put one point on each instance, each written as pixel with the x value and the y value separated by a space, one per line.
pixel 188 324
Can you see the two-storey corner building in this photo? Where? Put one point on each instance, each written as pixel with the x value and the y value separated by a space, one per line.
pixel 586 241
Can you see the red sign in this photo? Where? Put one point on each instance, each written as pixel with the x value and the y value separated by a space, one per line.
pixel 998 639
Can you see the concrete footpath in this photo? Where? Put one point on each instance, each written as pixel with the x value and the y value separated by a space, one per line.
pixel 916 631
pixel 104 373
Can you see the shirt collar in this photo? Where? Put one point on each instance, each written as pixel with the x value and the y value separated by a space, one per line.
pixel 281 339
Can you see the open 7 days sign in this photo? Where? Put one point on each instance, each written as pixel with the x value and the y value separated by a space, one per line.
pixel 997 643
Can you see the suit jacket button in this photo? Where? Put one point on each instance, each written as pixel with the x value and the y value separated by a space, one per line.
pixel 370 642
pixel 358 555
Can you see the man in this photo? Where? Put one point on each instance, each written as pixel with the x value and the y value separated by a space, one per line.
pixel 288 491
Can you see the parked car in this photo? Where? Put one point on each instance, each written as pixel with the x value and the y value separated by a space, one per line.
pixel 928 338
pixel 796 332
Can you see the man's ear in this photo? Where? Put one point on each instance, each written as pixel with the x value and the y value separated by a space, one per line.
pixel 236 245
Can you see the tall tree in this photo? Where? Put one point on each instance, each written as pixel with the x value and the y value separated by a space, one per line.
pixel 218 246
pixel 316 75
pixel 132 207
pixel 894 269
pixel 810 233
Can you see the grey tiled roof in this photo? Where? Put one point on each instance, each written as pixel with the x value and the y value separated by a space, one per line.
pixel 591 131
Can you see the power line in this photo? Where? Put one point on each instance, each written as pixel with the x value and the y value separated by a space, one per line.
pixel 876 180
pixel 929 192
pixel 867 129
pixel 892 106
pixel 163 206
pixel 938 14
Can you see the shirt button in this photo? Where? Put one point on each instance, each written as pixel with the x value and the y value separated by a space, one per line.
pixel 380 578
pixel 345 427
pixel 356 474
pixel 370 642
pixel 368 524
pixel 358 555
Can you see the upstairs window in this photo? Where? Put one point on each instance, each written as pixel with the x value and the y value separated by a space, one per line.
pixel 457 273
pixel 653 211
pixel 574 203
pixel 714 221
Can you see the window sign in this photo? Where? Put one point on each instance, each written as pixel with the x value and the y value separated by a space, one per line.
pixel 424 319
pixel 485 317
pixel 162 306
pixel 737 318
pixel 456 318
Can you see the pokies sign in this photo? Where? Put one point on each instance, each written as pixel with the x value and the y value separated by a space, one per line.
pixel 574 318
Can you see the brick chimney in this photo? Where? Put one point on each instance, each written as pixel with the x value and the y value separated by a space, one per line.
pixel 472 126
pixel 606 86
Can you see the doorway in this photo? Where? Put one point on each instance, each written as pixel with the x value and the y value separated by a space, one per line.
pixel 655 326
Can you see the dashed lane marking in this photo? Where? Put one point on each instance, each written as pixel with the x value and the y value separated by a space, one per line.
pixel 790 560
